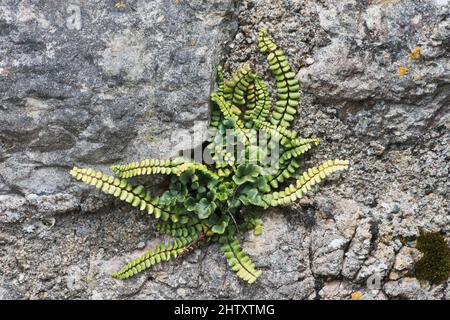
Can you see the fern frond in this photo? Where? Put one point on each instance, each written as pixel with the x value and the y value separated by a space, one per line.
pixel 216 115
pixel 285 173
pixel 155 166
pixel 262 105
pixel 287 161
pixel 287 84
pixel 298 149
pixel 305 182
pixel 251 222
pixel 238 260
pixel 216 119
pixel 199 167
pixel 148 167
pixel 286 137
pixel 220 80
pixel 163 252
pixel 250 98
pixel 243 134
pixel 235 90
pixel 125 191
pixel 223 159
pixel 191 228
pixel 220 155
pixel 217 148
pixel 226 108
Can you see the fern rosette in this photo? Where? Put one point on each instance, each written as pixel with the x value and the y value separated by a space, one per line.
pixel 214 202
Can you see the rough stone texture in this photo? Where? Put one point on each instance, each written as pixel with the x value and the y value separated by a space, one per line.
pixel 89 84
pixel 115 89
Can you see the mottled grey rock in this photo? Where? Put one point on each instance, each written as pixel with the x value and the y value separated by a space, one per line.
pixel 378 263
pixel 358 250
pixel 404 262
pixel 334 290
pixel 114 87
pixel 89 84
pixel 327 250
pixel 411 288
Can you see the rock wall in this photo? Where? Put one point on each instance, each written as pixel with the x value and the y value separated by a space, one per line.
pixel 92 84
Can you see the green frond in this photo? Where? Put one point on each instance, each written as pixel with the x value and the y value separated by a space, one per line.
pixel 235 90
pixel 217 148
pixel 288 163
pixel 265 44
pixel 226 109
pixel 250 98
pixel 242 133
pixel 155 166
pixel 226 159
pixel 286 137
pixel 305 182
pixel 216 119
pixel 238 260
pixel 198 167
pixel 298 149
pixel 262 105
pixel 285 173
pixel 219 154
pixel 163 252
pixel 148 167
pixel 287 84
pixel 216 115
pixel 190 229
pixel 220 80
pixel 251 222
pixel 125 191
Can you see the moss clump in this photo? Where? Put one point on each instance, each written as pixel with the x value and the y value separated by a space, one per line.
pixel 435 263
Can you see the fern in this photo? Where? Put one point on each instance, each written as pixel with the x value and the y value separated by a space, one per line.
pixel 287 84
pixel 215 202
pixel 237 259
pixel 163 252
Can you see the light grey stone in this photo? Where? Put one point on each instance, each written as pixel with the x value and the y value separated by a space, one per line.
pixel 116 84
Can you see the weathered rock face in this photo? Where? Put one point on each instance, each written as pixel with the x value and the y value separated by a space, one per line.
pixel 113 86
pixel 91 84
pixel 394 128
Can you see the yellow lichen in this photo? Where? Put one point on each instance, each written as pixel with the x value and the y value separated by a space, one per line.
pixel 120 5
pixel 414 54
pixel 402 71
pixel 356 295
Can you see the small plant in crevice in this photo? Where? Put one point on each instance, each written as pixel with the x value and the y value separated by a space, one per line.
pixel 215 201
pixel 434 266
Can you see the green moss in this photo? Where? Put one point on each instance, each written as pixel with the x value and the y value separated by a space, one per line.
pixel 435 263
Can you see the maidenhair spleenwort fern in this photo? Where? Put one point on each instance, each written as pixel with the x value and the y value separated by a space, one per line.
pixel 215 202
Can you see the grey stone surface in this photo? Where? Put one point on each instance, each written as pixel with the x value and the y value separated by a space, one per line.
pixel 115 89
